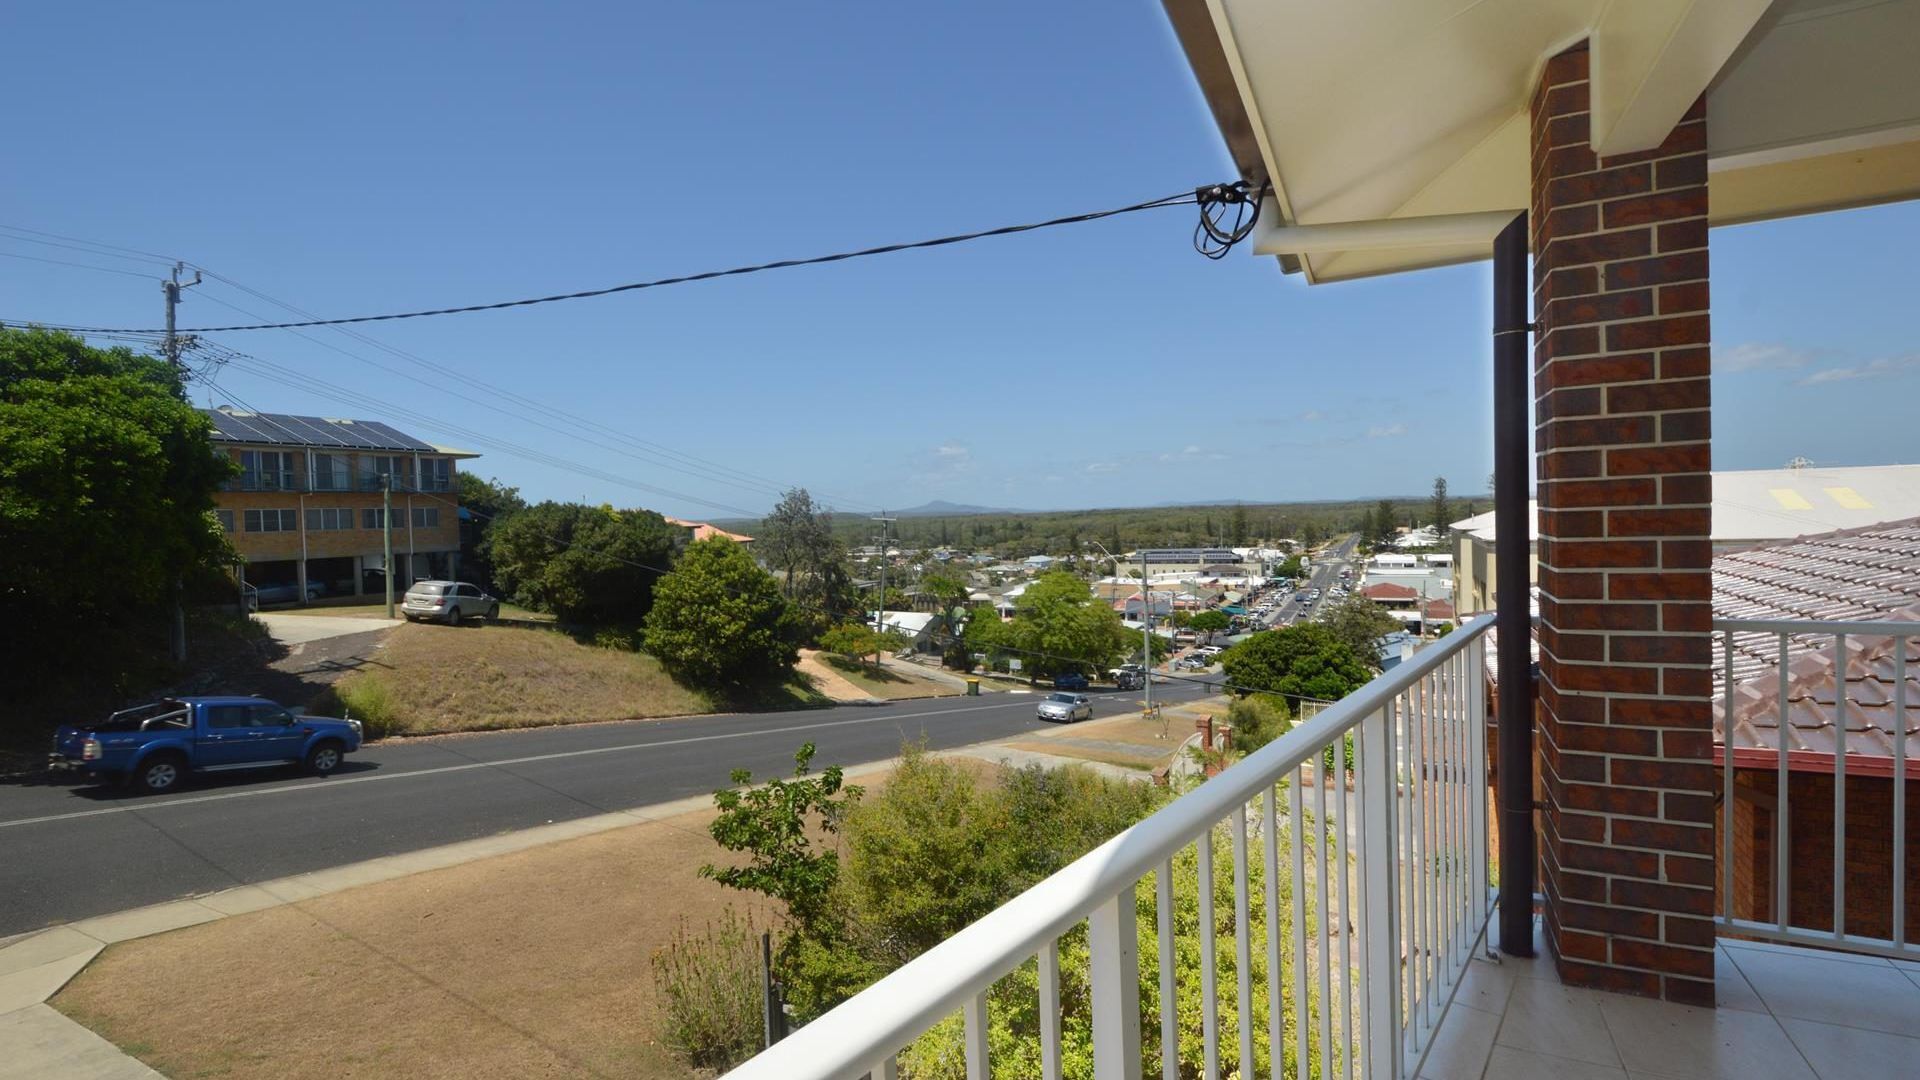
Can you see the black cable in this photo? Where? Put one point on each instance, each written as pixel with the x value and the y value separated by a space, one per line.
pixel 1217 192
pixel 1211 237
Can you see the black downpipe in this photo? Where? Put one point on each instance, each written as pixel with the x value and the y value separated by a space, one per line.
pixel 1512 618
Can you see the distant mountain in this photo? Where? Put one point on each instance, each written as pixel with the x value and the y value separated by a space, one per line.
pixel 942 508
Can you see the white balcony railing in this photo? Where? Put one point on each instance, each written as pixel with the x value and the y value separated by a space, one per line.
pixel 1382 867
pixel 1831 697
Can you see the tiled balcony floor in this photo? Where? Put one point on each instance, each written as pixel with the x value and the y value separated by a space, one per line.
pixel 1784 1013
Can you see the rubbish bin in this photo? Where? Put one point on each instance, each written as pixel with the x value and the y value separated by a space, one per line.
pixel 973 687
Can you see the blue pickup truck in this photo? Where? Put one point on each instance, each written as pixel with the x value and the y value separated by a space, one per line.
pixel 154 747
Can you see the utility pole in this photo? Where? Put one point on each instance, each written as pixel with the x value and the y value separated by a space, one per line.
pixel 170 289
pixel 386 533
pixel 1146 635
pixel 880 609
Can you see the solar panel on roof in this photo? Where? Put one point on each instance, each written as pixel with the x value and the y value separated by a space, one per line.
pixel 286 429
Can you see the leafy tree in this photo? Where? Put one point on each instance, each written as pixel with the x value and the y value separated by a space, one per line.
pixel 107 481
pixel 796 538
pixel 985 632
pixel 719 622
pixel 856 641
pixel 1303 660
pixel 775 825
pixel 488 503
pixel 1209 622
pixel 1360 623
pixel 1059 626
pixel 1442 510
pixel 1237 528
pixel 586 564
pixel 947 590
pixel 1291 568
pixel 1383 523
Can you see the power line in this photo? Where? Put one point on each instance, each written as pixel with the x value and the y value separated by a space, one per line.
pixel 310 384
pixel 654 454
pixel 78 265
pixel 91 246
pixel 1208 198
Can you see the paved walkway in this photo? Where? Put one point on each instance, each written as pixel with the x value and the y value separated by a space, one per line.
pixel 300 629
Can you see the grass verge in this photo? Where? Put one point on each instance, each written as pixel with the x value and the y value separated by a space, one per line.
pixel 434 679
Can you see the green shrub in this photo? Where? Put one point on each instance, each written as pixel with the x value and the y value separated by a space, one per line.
pixel 618 638
pixel 710 990
pixel 1013 1018
pixel 1257 720
pixel 363 697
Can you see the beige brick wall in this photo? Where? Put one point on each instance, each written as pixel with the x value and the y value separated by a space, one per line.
pixel 321 544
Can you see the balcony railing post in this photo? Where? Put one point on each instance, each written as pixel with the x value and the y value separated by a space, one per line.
pixel 1114 970
pixel 1379 886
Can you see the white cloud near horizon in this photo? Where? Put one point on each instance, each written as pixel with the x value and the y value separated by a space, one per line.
pixel 1388 432
pixel 1884 367
pixel 1759 356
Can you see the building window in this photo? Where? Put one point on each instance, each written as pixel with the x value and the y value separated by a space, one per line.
pixel 373 518
pixel 382 466
pixel 436 474
pixel 273 520
pixel 332 472
pixel 329 519
pixel 266 470
pixel 426 517
pixel 225 518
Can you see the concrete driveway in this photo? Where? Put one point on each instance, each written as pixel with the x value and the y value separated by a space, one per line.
pixel 300 629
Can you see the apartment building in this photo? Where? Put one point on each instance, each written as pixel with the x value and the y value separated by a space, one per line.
pixel 306 512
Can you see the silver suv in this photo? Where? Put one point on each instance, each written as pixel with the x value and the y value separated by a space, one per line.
pixel 448 602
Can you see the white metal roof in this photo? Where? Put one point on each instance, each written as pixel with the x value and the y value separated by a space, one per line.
pixel 1752 505
pixel 1371 111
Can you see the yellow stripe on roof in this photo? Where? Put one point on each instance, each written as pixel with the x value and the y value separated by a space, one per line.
pixel 1848 498
pixel 1789 499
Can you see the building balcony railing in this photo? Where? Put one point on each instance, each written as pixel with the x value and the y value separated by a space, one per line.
pixel 1358 849
pixel 265 481
pixel 1814 783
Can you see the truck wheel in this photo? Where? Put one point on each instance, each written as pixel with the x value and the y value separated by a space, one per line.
pixel 453 615
pixel 493 612
pixel 160 773
pixel 323 758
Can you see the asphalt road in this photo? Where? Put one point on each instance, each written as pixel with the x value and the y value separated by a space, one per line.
pixel 1324 574
pixel 68 852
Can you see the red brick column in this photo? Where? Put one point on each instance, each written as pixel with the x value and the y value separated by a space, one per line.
pixel 1621 394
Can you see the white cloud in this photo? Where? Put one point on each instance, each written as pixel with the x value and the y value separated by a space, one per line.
pixel 1758 356
pixel 951 450
pixel 1193 453
pixel 1310 415
pixel 1104 467
pixel 1390 431
pixel 1873 369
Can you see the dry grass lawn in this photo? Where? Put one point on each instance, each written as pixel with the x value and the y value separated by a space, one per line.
pixel 1127 741
pixel 477 678
pixel 351 608
pixel 532 964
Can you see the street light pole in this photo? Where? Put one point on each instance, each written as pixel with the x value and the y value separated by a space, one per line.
pixel 1146 624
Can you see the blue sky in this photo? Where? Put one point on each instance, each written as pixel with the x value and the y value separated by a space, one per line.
pixel 356 158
